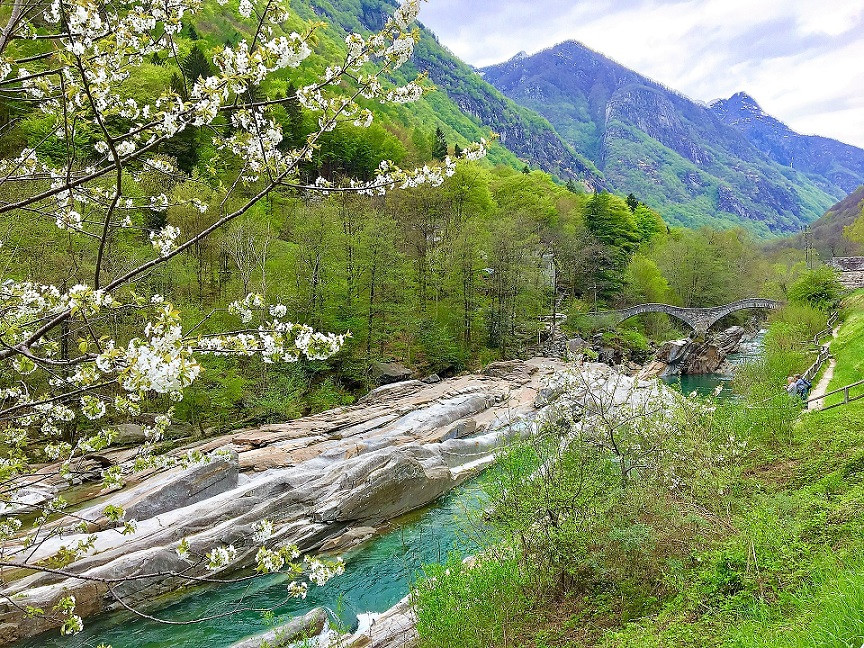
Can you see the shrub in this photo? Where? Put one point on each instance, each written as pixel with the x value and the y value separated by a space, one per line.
pixel 818 288
pixel 469 605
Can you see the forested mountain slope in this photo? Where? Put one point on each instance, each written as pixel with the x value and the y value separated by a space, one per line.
pixel 463 102
pixel 826 233
pixel 682 157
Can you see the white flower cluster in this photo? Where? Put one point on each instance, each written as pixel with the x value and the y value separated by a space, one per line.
pixel 262 531
pixel 92 407
pixel 69 220
pixel 243 309
pixel 256 143
pixel 276 342
pixel 220 557
pixel 72 624
pixel 163 241
pixel 268 561
pixel 83 299
pixel 162 363
pixel 408 93
pixel 321 571
pixel 298 590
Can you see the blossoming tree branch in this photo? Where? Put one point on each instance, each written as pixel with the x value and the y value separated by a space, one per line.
pixel 75 61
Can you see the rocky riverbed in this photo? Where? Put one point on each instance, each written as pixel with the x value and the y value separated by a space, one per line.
pixel 326 482
pixel 691 356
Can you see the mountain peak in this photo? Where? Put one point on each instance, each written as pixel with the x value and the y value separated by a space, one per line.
pixel 647 138
pixel 745 101
pixel 740 102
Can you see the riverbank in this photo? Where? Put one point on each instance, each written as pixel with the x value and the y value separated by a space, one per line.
pixel 773 557
pixel 323 482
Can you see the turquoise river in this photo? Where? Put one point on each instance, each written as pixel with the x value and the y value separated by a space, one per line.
pixel 377 574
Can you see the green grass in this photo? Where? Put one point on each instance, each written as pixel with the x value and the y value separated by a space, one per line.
pixel 848 350
pixel 779 564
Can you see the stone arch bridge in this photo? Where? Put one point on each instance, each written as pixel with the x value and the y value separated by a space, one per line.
pixel 699 319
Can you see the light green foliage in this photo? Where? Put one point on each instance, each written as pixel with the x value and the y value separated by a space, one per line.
pixel 495 589
pixel 819 288
pixel 708 268
pixel 767 527
pixel 649 223
pixel 645 281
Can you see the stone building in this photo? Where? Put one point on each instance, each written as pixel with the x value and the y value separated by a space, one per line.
pixel 850 271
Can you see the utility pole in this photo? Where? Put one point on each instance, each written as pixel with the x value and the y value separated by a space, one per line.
pixel 808 247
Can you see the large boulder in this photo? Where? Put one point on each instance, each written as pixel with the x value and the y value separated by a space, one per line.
pixel 386 484
pixel 395 628
pixel 27 499
pixel 128 434
pixel 390 372
pixel 175 489
pixel 689 356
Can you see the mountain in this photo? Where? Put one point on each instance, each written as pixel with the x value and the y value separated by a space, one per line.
pixel 840 164
pixel 697 164
pixel 826 233
pixel 465 105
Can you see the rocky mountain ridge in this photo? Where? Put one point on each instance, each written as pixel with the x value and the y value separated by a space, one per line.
pixel 841 165
pixel 724 164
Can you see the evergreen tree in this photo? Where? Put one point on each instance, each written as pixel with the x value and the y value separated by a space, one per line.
pixel 195 65
pixel 178 86
pixel 293 126
pixel 439 148
pixel 632 202
pixel 526 170
pixel 457 150
pixel 571 186
pixel 609 219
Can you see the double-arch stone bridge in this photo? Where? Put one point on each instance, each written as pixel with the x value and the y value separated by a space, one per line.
pixel 699 319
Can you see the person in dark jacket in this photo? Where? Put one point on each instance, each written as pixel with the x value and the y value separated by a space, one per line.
pixel 802 386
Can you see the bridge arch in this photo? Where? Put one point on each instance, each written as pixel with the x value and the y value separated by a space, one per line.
pixel 699 319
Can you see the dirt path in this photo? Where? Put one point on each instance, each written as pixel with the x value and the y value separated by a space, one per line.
pixel 822 386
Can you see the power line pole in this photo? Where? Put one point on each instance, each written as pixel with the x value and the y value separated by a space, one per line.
pixel 808 247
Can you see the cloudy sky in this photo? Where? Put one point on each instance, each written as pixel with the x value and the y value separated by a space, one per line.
pixel 802 60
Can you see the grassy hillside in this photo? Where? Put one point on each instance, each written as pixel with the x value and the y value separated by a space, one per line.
pixel 764 553
pixel 826 234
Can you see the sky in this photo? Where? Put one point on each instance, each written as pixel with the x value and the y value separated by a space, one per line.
pixel 802 60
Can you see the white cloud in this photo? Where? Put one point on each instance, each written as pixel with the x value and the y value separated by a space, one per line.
pixel 799 58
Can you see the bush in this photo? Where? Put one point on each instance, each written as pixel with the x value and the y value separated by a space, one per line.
pixel 440 351
pixel 469 606
pixel 819 288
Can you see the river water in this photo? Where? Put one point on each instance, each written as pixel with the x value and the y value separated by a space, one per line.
pixel 377 575
pixel 705 384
